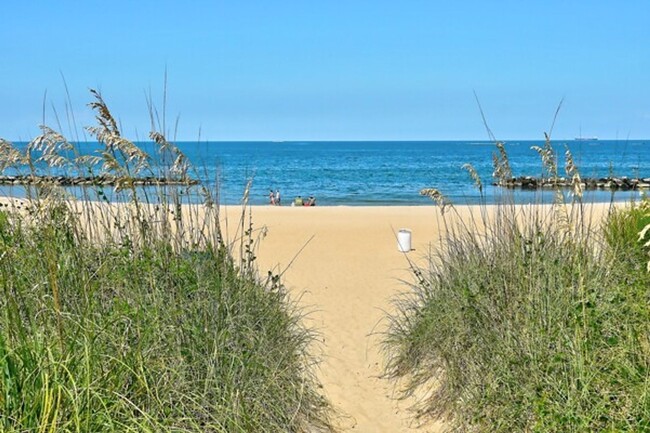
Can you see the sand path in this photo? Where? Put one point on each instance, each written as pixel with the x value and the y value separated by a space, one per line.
pixel 346 276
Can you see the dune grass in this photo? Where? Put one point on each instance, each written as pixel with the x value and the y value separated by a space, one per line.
pixel 137 316
pixel 530 319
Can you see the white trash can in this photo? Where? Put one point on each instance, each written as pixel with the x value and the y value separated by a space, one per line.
pixel 404 240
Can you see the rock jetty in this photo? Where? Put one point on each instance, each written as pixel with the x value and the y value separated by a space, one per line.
pixel 103 180
pixel 612 183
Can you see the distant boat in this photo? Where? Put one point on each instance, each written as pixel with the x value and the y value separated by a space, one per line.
pixel 581 138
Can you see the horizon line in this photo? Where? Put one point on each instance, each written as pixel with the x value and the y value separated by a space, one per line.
pixel 364 140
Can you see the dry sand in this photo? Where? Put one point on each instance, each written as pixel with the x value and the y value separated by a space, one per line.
pixel 347 268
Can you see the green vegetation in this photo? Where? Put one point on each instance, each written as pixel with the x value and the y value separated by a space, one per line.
pixel 135 316
pixel 530 320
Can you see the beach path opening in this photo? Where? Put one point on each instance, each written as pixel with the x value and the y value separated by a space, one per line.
pixel 345 277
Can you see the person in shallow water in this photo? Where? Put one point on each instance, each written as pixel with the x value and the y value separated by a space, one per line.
pixel 271 197
pixel 278 202
pixel 298 201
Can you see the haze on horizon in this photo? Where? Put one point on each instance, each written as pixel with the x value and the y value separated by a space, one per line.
pixel 363 70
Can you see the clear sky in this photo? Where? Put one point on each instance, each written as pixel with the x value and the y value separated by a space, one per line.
pixel 332 70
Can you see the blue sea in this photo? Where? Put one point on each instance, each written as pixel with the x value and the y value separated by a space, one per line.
pixel 393 172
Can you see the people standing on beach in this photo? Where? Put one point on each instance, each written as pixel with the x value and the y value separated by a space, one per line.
pixel 271 198
pixel 278 202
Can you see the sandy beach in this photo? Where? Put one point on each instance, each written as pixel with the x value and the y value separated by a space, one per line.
pixel 346 268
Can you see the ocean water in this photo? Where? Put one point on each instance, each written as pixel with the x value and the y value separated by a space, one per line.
pixel 393 172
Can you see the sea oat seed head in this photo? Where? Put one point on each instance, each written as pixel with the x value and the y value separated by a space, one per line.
pixel 474 175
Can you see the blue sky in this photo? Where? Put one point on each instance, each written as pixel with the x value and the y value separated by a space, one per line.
pixel 332 70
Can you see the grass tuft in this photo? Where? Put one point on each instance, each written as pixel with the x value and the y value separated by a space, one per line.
pixel 133 316
pixel 531 319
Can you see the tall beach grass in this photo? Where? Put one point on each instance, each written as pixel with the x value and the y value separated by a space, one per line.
pixel 141 315
pixel 530 319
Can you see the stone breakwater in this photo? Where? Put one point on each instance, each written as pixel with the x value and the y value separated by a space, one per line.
pixel 102 180
pixel 613 183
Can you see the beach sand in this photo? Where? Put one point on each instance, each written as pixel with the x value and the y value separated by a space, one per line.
pixel 345 269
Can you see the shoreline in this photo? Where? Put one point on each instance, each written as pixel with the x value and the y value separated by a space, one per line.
pixel 541 196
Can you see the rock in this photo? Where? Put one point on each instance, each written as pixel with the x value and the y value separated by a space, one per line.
pixel 529 182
